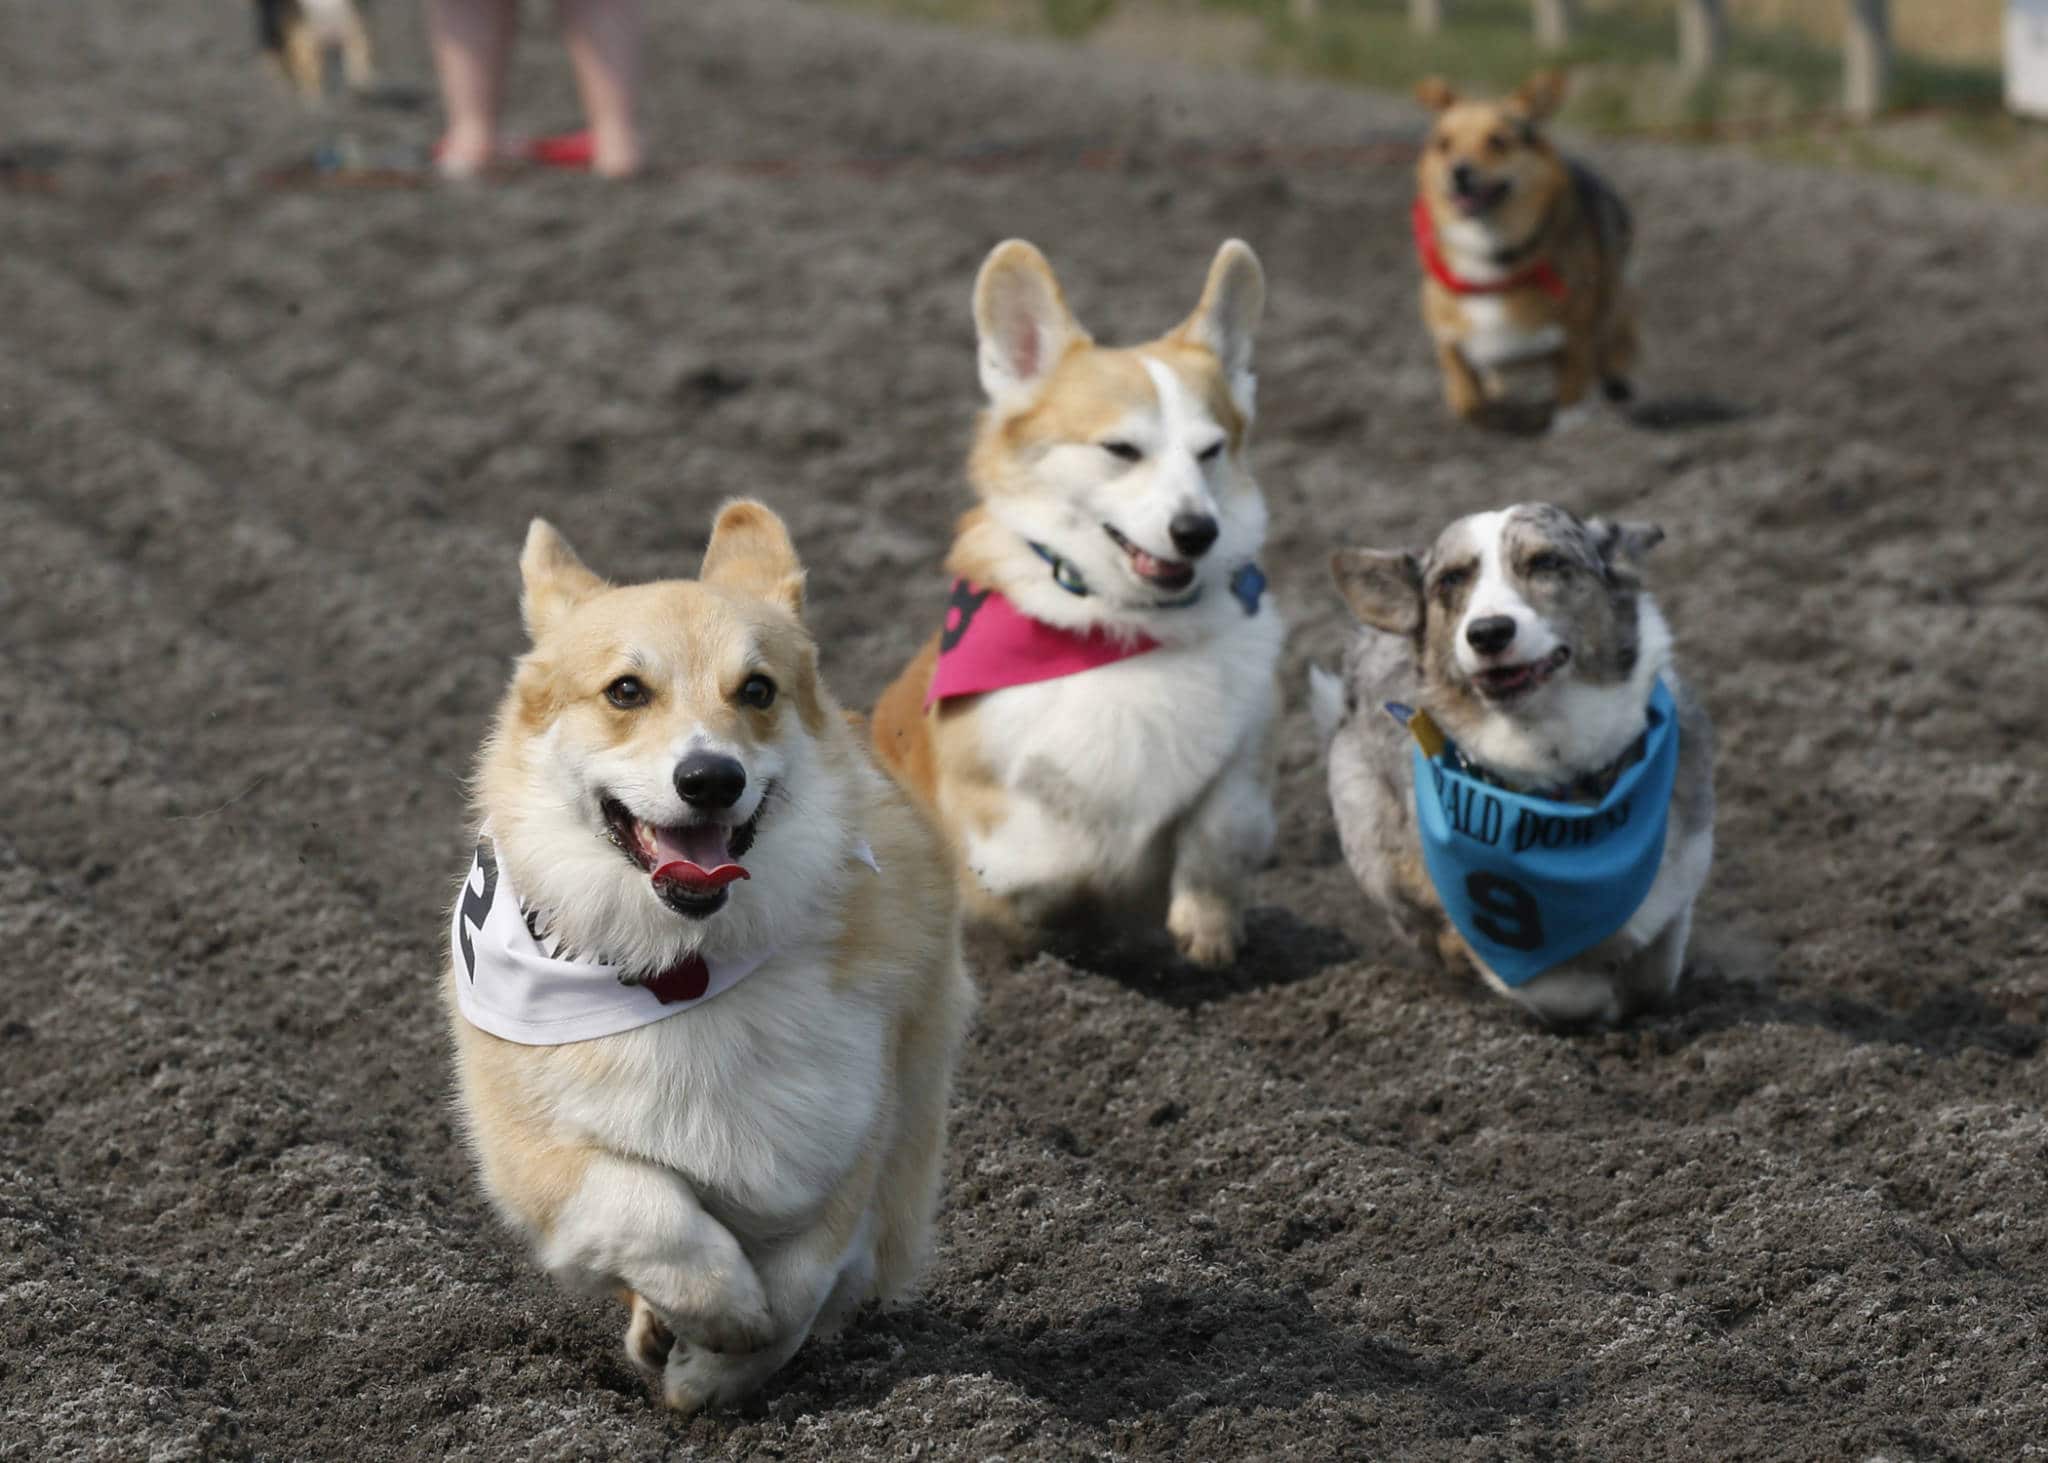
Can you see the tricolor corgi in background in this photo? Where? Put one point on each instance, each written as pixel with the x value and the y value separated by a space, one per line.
pixel 706 988
pixel 299 35
pixel 1093 722
pixel 1519 776
pixel 1523 255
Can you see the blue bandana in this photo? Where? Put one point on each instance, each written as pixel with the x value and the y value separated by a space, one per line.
pixel 1530 882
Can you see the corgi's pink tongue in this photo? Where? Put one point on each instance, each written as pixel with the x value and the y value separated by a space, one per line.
pixel 695 857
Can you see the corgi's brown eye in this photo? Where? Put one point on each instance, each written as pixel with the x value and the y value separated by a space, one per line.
pixel 1453 580
pixel 1122 451
pixel 758 692
pixel 1443 144
pixel 628 693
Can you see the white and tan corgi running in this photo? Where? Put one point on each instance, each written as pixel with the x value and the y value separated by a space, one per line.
pixel 1093 724
pixel 706 990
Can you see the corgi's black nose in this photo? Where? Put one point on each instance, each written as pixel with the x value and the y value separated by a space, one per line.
pixel 1490 634
pixel 708 780
pixel 1464 179
pixel 1192 533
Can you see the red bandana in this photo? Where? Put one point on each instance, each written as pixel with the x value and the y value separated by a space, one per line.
pixel 1542 274
pixel 988 644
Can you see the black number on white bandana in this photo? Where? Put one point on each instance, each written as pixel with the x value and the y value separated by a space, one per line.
pixel 1500 900
pixel 476 907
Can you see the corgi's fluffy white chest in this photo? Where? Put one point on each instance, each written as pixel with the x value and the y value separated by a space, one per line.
pixel 1493 337
pixel 762 1098
pixel 1097 767
pixel 330 19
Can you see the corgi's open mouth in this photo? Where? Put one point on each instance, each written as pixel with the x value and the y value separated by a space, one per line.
pixel 1506 682
pixel 1477 198
pixel 1171 575
pixel 689 863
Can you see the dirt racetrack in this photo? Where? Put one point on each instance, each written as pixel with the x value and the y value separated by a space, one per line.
pixel 266 454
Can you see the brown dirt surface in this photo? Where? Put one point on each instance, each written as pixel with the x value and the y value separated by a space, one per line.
pixel 267 450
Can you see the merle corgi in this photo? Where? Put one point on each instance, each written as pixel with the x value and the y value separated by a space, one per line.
pixel 1519 776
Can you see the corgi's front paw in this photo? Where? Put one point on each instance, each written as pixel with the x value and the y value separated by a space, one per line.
pixel 648 1340
pixel 1204 927
pixel 725 1312
pixel 745 1327
pixel 697 1380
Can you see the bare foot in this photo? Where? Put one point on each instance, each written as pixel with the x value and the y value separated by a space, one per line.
pixel 459 156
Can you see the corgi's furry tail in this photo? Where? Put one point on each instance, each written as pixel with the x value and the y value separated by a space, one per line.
pixel 1325 702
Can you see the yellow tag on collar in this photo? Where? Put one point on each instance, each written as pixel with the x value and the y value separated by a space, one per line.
pixel 1428 735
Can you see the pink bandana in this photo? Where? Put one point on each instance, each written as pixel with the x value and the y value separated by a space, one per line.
pixel 988 644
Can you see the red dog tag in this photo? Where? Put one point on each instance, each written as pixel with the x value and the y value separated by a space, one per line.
pixel 685 981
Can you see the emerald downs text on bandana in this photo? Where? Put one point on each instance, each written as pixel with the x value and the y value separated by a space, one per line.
pixel 509 983
pixel 1531 882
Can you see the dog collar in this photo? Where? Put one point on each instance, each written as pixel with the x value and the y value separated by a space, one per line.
pixel 1542 274
pixel 1247 582
pixel 511 983
pixel 1590 787
pixel 1533 881
pixel 1065 572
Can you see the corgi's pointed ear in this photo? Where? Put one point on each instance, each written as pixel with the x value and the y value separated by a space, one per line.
pixel 1384 589
pixel 552 580
pixel 1228 316
pixel 1624 546
pixel 1541 95
pixel 1023 321
pixel 1435 93
pixel 750 551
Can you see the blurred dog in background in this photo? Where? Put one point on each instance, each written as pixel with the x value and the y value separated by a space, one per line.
pixel 299 36
pixel 1523 252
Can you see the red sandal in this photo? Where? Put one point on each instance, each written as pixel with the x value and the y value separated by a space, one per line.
pixel 567 150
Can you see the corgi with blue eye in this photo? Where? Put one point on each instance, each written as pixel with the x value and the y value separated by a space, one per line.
pixel 705 982
pixel 1092 720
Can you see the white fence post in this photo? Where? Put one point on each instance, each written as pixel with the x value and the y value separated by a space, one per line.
pixel 1553 24
pixel 1866 57
pixel 1425 17
pixel 1702 36
pixel 2026 57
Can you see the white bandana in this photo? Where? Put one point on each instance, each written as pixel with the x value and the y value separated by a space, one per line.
pixel 510 984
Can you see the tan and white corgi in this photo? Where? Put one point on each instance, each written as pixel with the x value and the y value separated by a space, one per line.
pixel 1523 254
pixel 1520 777
pixel 1093 723
pixel 706 989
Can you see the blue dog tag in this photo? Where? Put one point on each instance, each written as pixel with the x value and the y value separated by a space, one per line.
pixel 1247 584
pixel 1531 882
